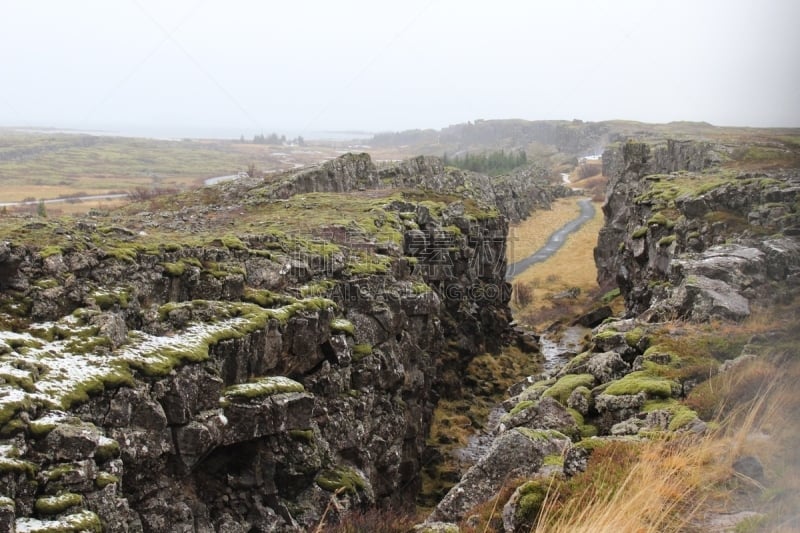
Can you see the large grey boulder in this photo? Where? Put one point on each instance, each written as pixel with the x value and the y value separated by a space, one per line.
pixel 703 298
pixel 516 453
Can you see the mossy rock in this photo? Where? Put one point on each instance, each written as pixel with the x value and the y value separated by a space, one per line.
pixel 106 450
pixel 302 435
pixel 681 415
pixel 566 384
pixel 174 270
pixel 420 287
pixel 659 219
pixel 104 479
pixel 341 325
pixel 634 337
pixel 342 479
pixel 262 387
pixel 577 364
pixel 611 295
pixel 576 416
pixel 521 406
pixel 319 288
pixel 590 444
pixel 666 241
pixel 266 298
pixel 53 505
pixel 532 495
pixel 360 351
pixel 643 381
pixel 7 503
pixel 541 434
pixel 56 472
pixel 17 466
pixel 80 522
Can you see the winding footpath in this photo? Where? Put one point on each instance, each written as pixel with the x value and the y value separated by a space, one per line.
pixel 555 242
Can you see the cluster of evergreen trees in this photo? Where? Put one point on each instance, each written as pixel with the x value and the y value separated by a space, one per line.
pixel 273 138
pixel 492 164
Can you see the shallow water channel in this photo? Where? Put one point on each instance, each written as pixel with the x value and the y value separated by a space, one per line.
pixel 557 351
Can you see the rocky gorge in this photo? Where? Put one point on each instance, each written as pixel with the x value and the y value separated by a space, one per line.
pixel 239 358
pixel 266 354
pixel 687 240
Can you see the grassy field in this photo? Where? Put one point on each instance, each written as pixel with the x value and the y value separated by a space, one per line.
pixel 43 166
pixel 527 236
pixel 572 267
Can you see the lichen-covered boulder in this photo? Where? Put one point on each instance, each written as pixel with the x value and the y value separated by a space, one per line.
pixel 516 453
pixel 545 413
pixel 607 366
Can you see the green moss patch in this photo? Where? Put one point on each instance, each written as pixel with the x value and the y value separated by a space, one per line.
pixel 341 479
pixel 104 479
pixel 360 351
pixel 681 415
pixel 17 466
pixel 53 505
pixel 69 369
pixel 634 337
pixel 565 385
pixel 266 298
pixel 106 449
pixel 341 325
pixel 642 381
pixel 261 387
pixel 659 219
pixel 666 241
pixel 521 406
pixel 80 522
pixel 532 495
pixel 108 299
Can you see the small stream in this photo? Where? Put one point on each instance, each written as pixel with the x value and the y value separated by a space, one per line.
pixel 557 351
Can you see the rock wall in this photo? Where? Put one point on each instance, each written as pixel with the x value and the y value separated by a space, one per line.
pixel 687 237
pixel 237 385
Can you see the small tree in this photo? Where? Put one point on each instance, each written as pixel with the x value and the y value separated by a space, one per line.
pixel 41 210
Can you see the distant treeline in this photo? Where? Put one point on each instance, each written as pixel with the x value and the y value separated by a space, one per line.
pixel 273 139
pixel 492 163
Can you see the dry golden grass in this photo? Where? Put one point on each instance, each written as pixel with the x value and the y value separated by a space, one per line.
pixel 525 237
pixel 679 484
pixel 572 266
pixel 66 208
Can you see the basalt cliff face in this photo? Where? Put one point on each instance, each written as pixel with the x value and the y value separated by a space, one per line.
pixel 240 357
pixel 688 237
pixel 696 233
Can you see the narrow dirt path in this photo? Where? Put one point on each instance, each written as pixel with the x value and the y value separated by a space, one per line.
pixel 555 242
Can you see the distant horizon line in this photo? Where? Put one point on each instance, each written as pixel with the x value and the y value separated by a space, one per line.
pixel 196 132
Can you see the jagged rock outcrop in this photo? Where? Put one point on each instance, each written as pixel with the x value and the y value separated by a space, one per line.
pixel 240 382
pixel 515 453
pixel 685 237
pixel 514 195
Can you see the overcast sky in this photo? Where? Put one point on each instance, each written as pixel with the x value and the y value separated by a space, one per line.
pixel 299 66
